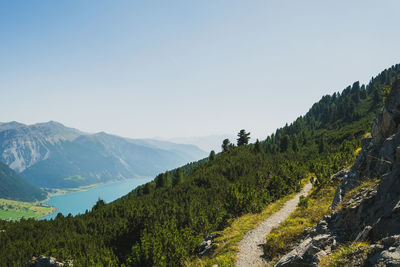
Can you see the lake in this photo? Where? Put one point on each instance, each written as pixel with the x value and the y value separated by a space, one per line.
pixel 79 202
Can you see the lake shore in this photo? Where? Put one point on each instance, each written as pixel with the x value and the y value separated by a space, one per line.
pixel 54 210
pixel 84 198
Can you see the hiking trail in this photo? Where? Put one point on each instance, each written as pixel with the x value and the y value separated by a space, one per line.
pixel 250 247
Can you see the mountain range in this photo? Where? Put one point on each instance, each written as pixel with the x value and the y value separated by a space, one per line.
pixel 52 155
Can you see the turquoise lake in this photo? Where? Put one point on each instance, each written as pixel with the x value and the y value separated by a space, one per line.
pixel 79 202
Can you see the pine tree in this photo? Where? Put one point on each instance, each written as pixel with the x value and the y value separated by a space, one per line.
pixel 284 143
pixel 225 145
pixel 212 155
pixel 243 138
pixel 258 147
pixel 178 177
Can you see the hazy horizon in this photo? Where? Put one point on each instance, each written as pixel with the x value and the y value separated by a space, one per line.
pixel 186 69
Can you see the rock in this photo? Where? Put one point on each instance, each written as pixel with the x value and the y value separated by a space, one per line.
pixel 366 142
pixel 207 245
pixel 43 261
pixel 337 198
pixel 390 241
pixel 362 236
pixel 308 252
pixel 322 227
pixel 387 253
pixel 373 214
pixel 390 257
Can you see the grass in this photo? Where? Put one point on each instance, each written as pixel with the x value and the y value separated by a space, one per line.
pixel 342 256
pixel 357 151
pixel 10 209
pixel 56 191
pixel 303 218
pixel 226 244
pixel 367 134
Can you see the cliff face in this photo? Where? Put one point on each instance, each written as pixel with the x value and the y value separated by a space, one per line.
pixel 373 214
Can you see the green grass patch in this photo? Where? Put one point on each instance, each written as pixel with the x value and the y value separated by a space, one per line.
pixel 14 210
pixel 342 256
pixel 226 244
pixel 57 191
pixel 305 216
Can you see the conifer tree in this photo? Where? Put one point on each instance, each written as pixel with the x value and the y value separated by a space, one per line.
pixel 284 143
pixel 225 145
pixel 212 155
pixel 258 147
pixel 178 177
pixel 243 138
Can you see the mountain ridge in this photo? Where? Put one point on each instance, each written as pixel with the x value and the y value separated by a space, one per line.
pixel 49 154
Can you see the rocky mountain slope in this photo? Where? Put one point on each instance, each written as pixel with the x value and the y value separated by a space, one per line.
pixel 373 214
pixel 52 155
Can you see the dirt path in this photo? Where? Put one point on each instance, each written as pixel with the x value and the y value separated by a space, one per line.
pixel 250 246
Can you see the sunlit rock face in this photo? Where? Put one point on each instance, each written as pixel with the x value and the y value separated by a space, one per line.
pixel 373 214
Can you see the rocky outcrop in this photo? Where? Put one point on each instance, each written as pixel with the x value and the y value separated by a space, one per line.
pixel 207 246
pixel 44 261
pixel 373 214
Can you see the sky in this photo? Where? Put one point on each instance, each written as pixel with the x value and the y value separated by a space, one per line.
pixel 142 69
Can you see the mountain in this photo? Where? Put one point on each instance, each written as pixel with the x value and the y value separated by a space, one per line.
pixel 10 125
pixel 53 155
pixel 13 186
pixel 163 222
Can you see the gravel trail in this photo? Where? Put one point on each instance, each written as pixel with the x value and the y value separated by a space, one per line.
pixel 250 246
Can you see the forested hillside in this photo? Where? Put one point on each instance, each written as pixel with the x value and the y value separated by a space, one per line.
pixel 162 222
pixel 15 187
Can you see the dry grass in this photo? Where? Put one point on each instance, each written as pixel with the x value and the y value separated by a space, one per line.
pixel 342 255
pixel 295 226
pixel 357 151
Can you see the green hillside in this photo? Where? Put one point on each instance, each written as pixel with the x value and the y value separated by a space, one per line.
pixel 162 223
pixel 15 187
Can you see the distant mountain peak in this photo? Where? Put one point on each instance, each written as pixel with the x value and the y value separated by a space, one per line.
pixel 49 153
pixel 10 125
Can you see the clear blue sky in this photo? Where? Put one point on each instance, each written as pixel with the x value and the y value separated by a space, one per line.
pixel 186 68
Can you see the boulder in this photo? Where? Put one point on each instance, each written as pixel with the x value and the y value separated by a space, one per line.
pixel 207 246
pixel 43 261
